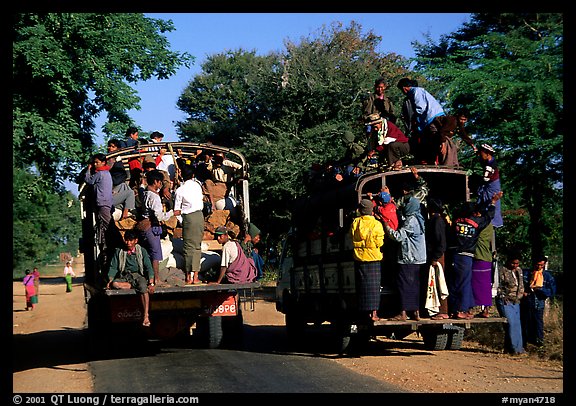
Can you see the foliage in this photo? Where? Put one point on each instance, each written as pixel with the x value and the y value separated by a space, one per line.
pixel 507 69
pixel 287 110
pixel 68 68
pixel 45 223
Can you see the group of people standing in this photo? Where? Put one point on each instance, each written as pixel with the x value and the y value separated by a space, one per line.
pixel 443 267
pixel 31 282
pixel 521 298
pixel 421 241
pixel 438 268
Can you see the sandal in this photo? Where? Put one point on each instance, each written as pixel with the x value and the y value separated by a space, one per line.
pixel 398 318
pixel 463 316
pixel 440 316
pixel 146 323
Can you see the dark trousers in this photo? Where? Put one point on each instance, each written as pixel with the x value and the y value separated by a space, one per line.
pixel 532 316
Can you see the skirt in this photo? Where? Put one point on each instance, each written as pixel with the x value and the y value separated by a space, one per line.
pixel 409 286
pixel 482 282
pixel 368 285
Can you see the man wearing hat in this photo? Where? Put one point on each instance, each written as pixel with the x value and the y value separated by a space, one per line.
pixel 235 266
pixel 156 136
pixel 252 238
pixel 390 142
pixel 367 238
pixel 490 181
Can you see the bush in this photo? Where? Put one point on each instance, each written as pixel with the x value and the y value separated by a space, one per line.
pixel 492 335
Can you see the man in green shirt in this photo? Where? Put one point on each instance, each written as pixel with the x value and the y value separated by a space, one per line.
pixel 130 268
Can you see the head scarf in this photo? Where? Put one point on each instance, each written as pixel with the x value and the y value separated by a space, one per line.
pixel 412 208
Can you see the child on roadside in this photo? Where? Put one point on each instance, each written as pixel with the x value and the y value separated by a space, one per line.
pixel 29 290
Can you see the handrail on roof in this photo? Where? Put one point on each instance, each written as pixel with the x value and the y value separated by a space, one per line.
pixel 363 179
pixel 188 149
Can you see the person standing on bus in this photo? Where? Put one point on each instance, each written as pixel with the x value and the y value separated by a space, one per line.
pixel 490 180
pixel 188 205
pixel 411 257
pixel 472 219
pixel 367 237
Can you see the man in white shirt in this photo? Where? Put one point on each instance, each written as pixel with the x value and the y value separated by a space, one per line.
pixel 188 205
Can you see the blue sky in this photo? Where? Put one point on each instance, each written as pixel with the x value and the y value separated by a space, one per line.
pixel 202 34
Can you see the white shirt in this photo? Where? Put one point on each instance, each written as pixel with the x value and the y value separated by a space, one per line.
pixel 69 271
pixel 167 164
pixel 225 172
pixel 189 197
pixel 229 253
pixel 153 207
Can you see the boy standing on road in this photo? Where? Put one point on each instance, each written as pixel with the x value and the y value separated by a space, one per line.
pixel 510 292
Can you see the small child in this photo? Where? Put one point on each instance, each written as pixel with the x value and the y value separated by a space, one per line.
pixel 29 290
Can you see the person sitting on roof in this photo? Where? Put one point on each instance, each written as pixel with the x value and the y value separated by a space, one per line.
pixel 386 138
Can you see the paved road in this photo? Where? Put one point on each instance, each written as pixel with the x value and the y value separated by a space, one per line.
pixel 265 364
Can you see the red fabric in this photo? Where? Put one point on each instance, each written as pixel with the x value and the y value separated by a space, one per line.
pixel 103 168
pixel 395 132
pixel 388 213
pixel 134 163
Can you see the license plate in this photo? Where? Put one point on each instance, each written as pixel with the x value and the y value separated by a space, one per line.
pixel 223 305
pixel 126 309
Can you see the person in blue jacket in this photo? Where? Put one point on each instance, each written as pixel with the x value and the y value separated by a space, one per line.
pixel 539 285
pixel 428 119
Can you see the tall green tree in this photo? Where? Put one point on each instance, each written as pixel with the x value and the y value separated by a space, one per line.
pixel 287 110
pixel 45 222
pixel 68 68
pixel 508 70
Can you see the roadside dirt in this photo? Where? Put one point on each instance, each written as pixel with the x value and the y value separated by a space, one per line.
pixel 46 361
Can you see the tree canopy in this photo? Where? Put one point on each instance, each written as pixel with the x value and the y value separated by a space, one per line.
pixel 287 110
pixel 507 69
pixel 67 68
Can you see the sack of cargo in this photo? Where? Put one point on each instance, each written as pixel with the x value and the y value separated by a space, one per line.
pixel 143 225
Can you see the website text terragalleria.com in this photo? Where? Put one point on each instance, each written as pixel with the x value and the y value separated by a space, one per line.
pixel 102 400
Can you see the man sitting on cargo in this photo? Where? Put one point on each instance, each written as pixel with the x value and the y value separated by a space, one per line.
pixel 130 268
pixel 235 266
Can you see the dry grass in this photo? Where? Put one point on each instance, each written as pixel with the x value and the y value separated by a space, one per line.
pixel 492 335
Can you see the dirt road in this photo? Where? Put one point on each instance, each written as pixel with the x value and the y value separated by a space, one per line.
pixel 45 360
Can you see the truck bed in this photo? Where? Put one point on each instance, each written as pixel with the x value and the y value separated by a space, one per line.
pixel 189 288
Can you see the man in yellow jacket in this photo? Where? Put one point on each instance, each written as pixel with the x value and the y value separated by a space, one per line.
pixel 367 236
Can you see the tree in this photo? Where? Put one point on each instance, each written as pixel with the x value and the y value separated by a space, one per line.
pixel 45 222
pixel 66 69
pixel 286 111
pixel 508 70
pixel 70 67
